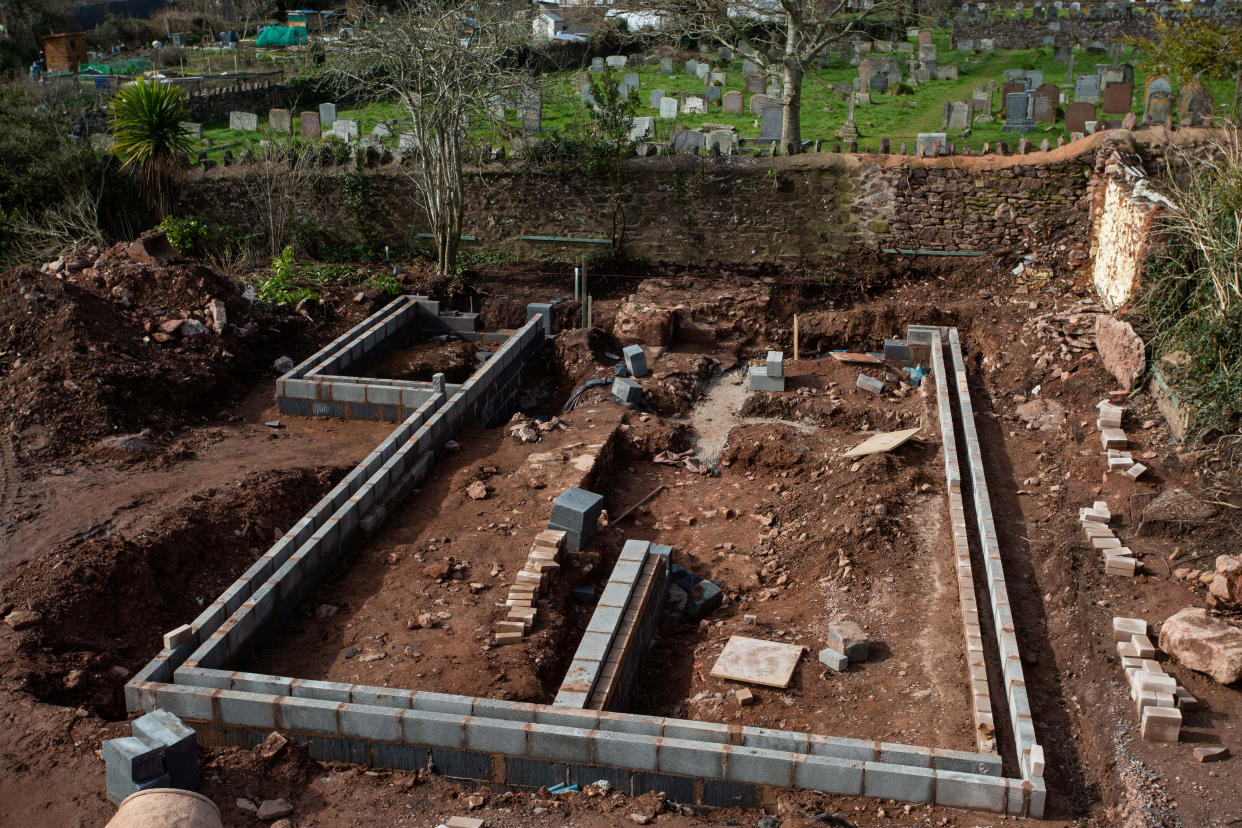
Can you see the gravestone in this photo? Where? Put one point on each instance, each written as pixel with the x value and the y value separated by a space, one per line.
pixel 703 70
pixel 668 107
pixel 965 45
pixel 732 102
pixel 586 95
pixel 1061 54
pixel 757 103
pixel 712 94
pixel 946 73
pixel 192 129
pixel 694 105
pixel 925 38
pixel 749 68
pixel 1194 104
pixel 718 78
pixel 657 95
pixel 280 120
pixel 879 83
pixel 616 61
pixel 310 125
pixel 927 54
pixel 981 100
pixel 1018 112
pixel 1127 72
pixel 754 85
pixel 243 121
pixel 666 66
pixel 1032 78
pixel 1157 101
pixel 631 80
pixel 1109 74
pixel 1118 98
pixel 641 127
pixel 956 116
pixel 1012 88
pixel 327 115
pixel 770 122
pixel 866 70
pixel 348 129
pixel 686 142
pixel 383 129
pixel 692 67
pixel 597 64
pixel 721 142
pixel 1087 89
pixel 773 91
pixel 928 144
pixel 1046 99
pixel 532 116
pixel 1077 115
pixel 986 44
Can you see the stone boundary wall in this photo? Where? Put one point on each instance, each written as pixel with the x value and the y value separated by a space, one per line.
pixel 812 207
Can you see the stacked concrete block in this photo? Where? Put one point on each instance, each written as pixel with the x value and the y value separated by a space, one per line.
pixel 635 360
pixel 530 583
pixel 576 513
pixel 1158 699
pixel 544 311
pixel 870 384
pixel 1118 559
pixel 834 660
pixel 1115 441
pixel 847 637
pixel 898 352
pixel 627 390
pixel 770 376
pixel 161 753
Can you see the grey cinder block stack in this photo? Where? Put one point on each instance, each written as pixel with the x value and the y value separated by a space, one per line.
pixel 771 375
pixel 162 753
pixel 576 513
pixel 635 360
pixel 545 308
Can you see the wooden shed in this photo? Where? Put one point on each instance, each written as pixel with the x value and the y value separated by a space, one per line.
pixel 63 52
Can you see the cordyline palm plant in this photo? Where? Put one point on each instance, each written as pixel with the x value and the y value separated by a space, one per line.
pixel 148 136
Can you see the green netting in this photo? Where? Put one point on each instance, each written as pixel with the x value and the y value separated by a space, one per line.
pixel 281 36
pixel 130 66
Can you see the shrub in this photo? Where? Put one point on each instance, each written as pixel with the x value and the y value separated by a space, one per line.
pixel 279 289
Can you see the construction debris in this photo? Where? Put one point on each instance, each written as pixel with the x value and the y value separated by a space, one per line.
pixel 882 442
pixel 767 663
pixel 1156 695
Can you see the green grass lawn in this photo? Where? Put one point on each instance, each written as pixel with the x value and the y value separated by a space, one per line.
pixel 898 117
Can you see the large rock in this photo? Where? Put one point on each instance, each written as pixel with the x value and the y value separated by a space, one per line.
pixel 1227 583
pixel 1121 350
pixel 1204 643
pixel 643 325
pixel 1177 505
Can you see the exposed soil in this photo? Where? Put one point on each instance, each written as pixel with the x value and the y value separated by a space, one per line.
pixel 119 545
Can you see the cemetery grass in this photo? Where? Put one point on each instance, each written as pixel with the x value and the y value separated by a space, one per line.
pixel 898 117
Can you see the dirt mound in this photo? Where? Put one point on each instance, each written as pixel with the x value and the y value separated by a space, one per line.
pixel 771 447
pixel 107 345
pixel 105 603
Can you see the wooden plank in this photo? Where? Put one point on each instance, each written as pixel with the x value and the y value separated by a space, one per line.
pixel 884 441
pixel 769 663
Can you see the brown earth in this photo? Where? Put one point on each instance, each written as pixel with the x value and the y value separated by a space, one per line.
pixel 119 550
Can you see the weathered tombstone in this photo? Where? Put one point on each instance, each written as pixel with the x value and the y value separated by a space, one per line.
pixel 310 125
pixel 692 67
pixel 586 95
pixel 754 85
pixel 597 64
pixel 657 95
pixel 1077 115
pixel 1194 104
pixel 1087 89
pixel 668 107
pixel 986 44
pixel 1118 98
pixel 711 94
pixel 1109 74
pixel 931 143
pixel 347 129
pixel 749 68
pixel 280 120
pixel 1127 72
pixel 1158 101
pixel 327 115
pixel 666 66
pixel 193 130
pixel 721 142
pixel 773 91
pixel 732 102
pixel 724 54
pixel 641 127
pixel 1046 99
pixel 616 61
pixel 686 141
pixel 631 80
pixel 757 103
pixel 770 122
pixel 243 121
pixel 383 129
pixel 925 38
pixel 532 117
pixel 946 73
pixel 965 45
pixel 1018 112
pixel 981 100
pixel 879 83
pixel 702 71
pixel 694 105
pixel 927 54
pixel 866 70
pixel 718 78
pixel 956 116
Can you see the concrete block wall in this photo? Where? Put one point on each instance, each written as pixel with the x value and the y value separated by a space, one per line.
pixel 618 632
pixel 1030 753
pixel 980 692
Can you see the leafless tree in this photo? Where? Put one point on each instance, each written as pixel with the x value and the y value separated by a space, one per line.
pixel 277 177
pixel 782 37
pixel 451 64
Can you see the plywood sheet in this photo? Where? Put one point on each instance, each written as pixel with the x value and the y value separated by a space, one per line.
pixel 857 359
pixel 884 441
pixel 769 663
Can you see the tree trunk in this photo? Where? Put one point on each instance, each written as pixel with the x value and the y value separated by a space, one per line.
pixel 791 122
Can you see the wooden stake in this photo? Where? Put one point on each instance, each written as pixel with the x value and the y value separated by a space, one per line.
pixel 627 512
pixel 795 337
